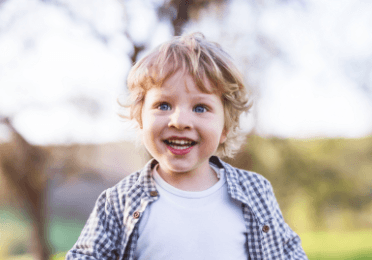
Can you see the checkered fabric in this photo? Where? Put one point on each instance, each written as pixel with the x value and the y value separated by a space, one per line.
pixel 111 231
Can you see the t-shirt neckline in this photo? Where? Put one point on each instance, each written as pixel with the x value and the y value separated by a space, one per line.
pixel 190 194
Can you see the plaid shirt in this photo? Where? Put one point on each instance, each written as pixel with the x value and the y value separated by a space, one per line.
pixel 111 231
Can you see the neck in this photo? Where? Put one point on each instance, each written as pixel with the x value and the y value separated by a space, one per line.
pixel 202 179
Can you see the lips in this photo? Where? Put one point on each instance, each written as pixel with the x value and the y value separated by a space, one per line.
pixel 179 145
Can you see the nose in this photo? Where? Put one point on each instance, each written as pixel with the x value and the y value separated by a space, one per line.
pixel 180 119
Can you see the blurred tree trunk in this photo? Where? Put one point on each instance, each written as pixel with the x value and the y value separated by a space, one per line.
pixel 181 12
pixel 182 8
pixel 40 245
pixel 23 165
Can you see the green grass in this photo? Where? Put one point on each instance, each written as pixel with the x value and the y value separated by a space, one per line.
pixel 362 255
pixel 338 245
pixel 59 256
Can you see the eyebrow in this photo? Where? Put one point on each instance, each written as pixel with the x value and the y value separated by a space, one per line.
pixel 203 98
pixel 199 97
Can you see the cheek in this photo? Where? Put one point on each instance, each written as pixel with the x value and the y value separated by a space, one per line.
pixel 145 118
pixel 148 135
pixel 214 134
pixel 151 128
pixel 220 133
pixel 149 122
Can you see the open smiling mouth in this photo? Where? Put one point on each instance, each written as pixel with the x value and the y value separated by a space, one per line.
pixel 179 144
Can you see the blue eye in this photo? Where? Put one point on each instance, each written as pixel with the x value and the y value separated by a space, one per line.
pixel 200 109
pixel 164 106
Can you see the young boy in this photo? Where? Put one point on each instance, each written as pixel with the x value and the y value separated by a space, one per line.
pixel 187 203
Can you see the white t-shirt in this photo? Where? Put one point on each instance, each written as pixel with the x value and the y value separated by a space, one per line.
pixel 181 225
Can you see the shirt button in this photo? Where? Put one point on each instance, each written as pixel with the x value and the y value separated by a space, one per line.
pixel 153 193
pixel 136 214
pixel 265 228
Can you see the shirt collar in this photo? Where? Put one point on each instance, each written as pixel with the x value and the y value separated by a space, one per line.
pixel 146 182
pixel 244 190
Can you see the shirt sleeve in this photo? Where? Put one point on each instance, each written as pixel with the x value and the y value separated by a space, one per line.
pixel 100 236
pixel 292 247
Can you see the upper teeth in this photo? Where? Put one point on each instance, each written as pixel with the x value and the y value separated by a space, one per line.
pixel 180 142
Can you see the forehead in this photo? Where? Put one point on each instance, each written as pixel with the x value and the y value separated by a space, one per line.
pixel 182 86
pixel 183 80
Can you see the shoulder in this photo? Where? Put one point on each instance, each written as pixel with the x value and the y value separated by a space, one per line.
pixel 113 199
pixel 247 178
pixel 131 186
pixel 252 189
pixel 123 186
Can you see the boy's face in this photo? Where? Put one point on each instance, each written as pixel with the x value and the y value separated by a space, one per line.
pixel 182 126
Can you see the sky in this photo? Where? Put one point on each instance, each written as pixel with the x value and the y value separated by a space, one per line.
pixel 63 66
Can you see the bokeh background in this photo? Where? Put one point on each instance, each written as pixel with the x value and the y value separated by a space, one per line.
pixel 63 65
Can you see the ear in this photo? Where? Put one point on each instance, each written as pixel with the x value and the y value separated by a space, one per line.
pixel 223 136
pixel 139 121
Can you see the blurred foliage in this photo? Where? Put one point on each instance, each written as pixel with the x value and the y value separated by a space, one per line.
pixel 14 232
pixel 319 183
